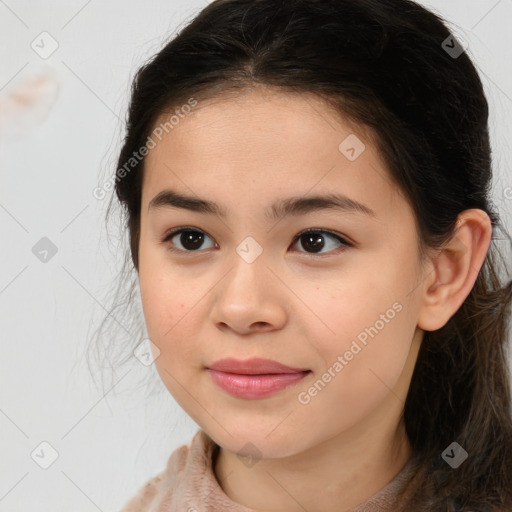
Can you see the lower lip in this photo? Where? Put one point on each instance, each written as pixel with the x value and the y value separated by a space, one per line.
pixel 254 386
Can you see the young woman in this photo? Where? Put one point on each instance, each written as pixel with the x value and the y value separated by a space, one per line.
pixel 307 186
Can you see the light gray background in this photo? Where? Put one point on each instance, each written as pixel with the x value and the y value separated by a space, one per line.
pixel 109 445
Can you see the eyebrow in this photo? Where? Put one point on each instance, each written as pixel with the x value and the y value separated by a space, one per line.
pixel 289 206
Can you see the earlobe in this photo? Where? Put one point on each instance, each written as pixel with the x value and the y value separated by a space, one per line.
pixel 455 269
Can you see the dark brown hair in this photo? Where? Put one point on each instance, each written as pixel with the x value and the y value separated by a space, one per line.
pixel 385 65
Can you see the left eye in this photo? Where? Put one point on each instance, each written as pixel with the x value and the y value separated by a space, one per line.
pixel 314 239
pixel 192 239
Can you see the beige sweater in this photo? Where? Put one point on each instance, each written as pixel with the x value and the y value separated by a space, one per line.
pixel 188 484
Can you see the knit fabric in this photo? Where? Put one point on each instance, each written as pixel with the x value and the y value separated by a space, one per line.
pixel 188 484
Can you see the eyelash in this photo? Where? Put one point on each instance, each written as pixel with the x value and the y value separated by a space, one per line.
pixel 345 244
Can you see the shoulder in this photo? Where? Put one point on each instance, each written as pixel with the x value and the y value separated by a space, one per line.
pixel 158 490
pixel 144 496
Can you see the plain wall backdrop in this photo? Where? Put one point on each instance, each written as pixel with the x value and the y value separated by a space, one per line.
pixel 109 443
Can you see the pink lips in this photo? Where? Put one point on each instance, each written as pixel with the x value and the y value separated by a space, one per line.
pixel 253 378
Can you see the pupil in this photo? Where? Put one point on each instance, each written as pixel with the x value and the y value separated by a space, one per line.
pixel 315 240
pixel 193 238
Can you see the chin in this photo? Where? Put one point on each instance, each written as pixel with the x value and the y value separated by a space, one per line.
pixel 255 442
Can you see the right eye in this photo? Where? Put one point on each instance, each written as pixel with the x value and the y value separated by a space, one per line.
pixel 190 239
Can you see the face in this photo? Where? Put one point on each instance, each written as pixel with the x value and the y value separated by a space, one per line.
pixel 338 303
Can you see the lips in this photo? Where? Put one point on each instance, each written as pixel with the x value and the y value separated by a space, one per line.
pixel 253 378
pixel 254 366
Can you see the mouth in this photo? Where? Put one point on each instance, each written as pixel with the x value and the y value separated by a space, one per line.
pixel 253 366
pixel 254 378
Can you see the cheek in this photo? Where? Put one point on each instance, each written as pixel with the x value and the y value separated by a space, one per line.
pixel 370 328
pixel 172 311
pixel 164 295
pixel 357 377
pixel 162 308
pixel 158 304
pixel 376 339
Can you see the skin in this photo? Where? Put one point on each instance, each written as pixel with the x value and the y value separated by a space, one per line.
pixel 292 305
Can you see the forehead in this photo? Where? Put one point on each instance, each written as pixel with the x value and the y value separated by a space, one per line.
pixel 266 145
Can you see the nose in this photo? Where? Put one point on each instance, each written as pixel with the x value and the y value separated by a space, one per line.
pixel 250 298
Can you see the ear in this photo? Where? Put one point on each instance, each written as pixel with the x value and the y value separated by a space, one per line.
pixel 454 269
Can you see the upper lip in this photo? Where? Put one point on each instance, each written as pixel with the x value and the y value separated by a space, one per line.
pixel 253 366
